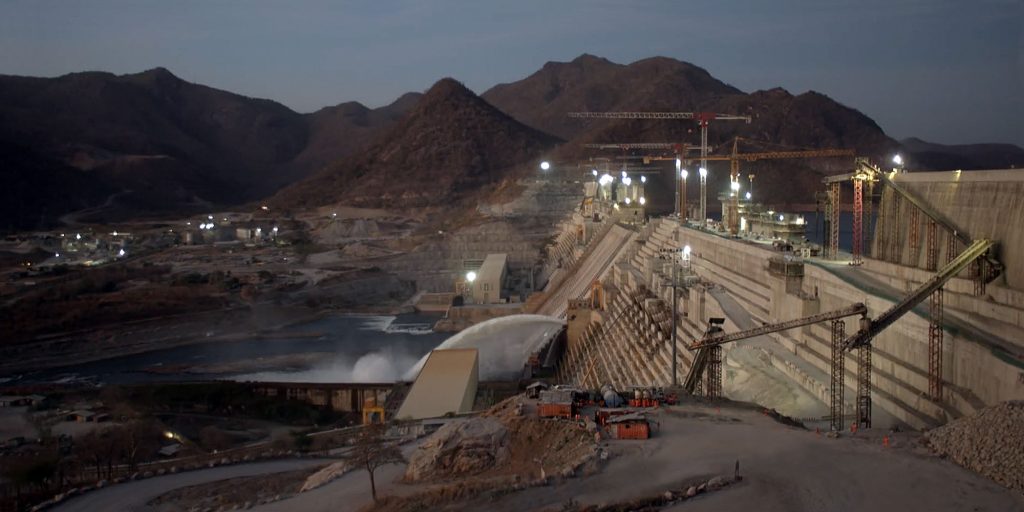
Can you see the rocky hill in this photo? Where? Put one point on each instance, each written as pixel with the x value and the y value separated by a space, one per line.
pixel 778 118
pixel 161 144
pixel 151 143
pixel 342 130
pixel 450 146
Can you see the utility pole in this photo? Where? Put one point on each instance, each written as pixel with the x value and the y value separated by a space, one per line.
pixel 674 256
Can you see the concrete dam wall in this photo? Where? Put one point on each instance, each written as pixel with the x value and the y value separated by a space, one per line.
pixel 981 352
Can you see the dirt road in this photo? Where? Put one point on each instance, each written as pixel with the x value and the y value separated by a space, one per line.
pixel 133 496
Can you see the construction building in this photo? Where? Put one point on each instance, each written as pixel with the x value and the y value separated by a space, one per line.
pixel 489 282
pixel 446 384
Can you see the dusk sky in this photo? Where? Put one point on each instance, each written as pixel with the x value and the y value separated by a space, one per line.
pixel 949 71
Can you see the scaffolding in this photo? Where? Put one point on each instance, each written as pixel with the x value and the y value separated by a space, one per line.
pixel 858 226
pixel 895 245
pixel 869 212
pixel 864 386
pixel 836 387
pixel 914 217
pixel 714 378
pixel 834 207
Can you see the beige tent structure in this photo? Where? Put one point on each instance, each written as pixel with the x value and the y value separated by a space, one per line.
pixel 446 384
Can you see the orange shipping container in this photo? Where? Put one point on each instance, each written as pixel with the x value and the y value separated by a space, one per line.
pixel 563 410
pixel 632 430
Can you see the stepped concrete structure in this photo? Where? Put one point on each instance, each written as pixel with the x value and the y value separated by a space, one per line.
pixel 620 331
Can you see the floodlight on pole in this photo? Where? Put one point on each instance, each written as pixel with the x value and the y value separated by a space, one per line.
pixel 545 165
pixel 898 160
pixel 748 196
pixel 735 186
pixel 703 172
pixel 684 173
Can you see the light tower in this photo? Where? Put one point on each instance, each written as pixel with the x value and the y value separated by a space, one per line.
pixel 703 195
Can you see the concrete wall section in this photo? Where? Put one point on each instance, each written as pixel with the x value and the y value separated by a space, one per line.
pixel 986 204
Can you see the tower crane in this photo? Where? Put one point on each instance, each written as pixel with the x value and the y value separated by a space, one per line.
pixel 734 169
pixel 703 118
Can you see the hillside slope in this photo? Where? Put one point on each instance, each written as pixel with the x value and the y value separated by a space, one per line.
pixel 450 146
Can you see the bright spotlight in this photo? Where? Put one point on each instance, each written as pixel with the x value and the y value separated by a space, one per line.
pixel 643 179
pixel 782 218
pixel 545 165
pixel 623 174
pixel 898 160
pixel 748 196
pixel 735 186
pixel 642 200
pixel 686 250
pixel 606 179
pixel 471 276
pixel 593 171
pixel 684 173
pixel 627 201
pixel 120 253
pixel 703 172
pixel 627 181
pixel 679 164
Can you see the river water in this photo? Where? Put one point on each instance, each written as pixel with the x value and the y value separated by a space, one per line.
pixel 335 348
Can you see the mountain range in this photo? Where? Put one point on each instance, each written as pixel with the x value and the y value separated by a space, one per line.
pixel 153 144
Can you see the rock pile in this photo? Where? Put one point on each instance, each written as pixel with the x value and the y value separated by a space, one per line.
pixel 326 475
pixel 460 448
pixel 990 443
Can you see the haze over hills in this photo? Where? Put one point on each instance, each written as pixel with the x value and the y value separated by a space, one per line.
pixel 450 144
pixel 152 144
pixel 961 156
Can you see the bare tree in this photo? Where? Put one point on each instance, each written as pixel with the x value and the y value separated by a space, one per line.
pixel 140 441
pixel 372 451
pixel 100 448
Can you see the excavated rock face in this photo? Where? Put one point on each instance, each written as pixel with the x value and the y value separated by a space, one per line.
pixel 990 443
pixel 460 449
